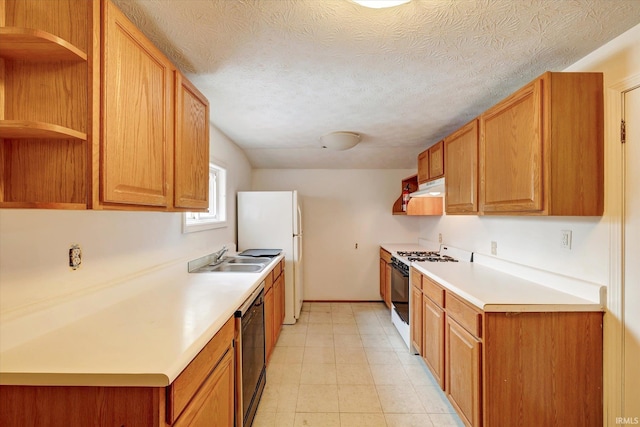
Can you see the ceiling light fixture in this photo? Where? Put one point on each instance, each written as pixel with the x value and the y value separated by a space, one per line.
pixel 340 141
pixel 379 4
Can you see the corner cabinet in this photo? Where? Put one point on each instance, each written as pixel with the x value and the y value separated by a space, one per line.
pixel 541 149
pixel 93 116
pixel 48 123
pixel 504 368
pixel 461 157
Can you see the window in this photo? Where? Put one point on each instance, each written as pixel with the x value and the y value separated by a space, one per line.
pixel 216 217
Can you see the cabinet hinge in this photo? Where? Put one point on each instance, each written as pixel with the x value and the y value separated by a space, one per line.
pixel 623 132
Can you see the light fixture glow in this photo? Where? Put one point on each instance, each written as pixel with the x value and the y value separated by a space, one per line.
pixel 340 141
pixel 379 4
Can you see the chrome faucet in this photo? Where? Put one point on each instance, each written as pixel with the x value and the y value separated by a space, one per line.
pixel 217 256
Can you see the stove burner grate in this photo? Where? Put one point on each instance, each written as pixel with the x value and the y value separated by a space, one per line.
pixel 424 256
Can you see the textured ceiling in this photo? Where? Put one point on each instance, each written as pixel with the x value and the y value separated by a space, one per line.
pixel 279 74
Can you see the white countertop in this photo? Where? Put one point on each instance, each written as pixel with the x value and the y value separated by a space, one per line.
pixel 146 339
pixel 495 291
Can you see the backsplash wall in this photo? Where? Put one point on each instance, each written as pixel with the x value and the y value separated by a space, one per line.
pixel 531 241
pixel 34 243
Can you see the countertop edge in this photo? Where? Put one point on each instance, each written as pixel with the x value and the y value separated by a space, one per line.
pixel 581 305
pixel 162 378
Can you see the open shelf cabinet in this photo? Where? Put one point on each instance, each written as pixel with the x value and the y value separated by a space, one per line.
pixel 47 115
pixel 417 205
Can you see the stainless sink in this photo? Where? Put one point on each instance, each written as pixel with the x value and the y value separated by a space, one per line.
pixel 247 260
pixel 238 268
pixel 233 264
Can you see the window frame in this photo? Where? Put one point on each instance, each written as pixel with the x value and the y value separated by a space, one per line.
pixel 200 221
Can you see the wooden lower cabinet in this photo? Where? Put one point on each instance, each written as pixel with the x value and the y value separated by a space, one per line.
pixel 213 405
pixel 274 306
pixel 385 277
pixel 278 303
pixel 543 369
pixel 268 323
pixel 202 395
pixel 524 369
pixel 463 371
pixel 416 319
pixel 433 324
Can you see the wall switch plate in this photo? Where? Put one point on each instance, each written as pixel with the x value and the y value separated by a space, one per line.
pixel 75 256
pixel 565 239
pixel 494 248
pixel 439 237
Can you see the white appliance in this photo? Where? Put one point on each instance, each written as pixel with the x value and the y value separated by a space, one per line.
pixel 273 220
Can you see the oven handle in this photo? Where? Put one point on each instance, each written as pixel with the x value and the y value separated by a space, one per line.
pixel 249 301
pixel 399 270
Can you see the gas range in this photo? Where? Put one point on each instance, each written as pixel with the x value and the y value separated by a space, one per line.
pixel 400 288
pixel 445 254
pixel 430 256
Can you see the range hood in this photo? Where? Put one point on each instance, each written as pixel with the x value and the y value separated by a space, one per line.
pixel 433 188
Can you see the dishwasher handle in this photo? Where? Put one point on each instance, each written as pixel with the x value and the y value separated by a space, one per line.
pixel 249 302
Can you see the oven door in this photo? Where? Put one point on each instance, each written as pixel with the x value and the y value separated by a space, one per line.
pixel 400 293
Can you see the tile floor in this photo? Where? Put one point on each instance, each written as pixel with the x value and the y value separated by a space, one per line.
pixel 344 365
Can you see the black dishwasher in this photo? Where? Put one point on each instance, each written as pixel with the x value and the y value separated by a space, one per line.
pixel 251 319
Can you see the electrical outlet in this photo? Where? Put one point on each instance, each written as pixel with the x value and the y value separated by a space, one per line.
pixel 439 237
pixel 494 248
pixel 565 239
pixel 75 256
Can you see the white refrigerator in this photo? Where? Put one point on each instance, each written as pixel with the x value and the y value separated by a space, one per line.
pixel 273 220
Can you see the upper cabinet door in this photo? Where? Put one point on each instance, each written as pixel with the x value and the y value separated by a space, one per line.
pixel 191 147
pixel 461 159
pixel 137 127
pixel 436 160
pixel 423 167
pixel 511 153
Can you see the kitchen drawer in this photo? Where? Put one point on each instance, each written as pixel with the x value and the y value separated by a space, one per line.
pixel 386 256
pixel 467 316
pixel 182 390
pixel 434 291
pixel 268 281
pixel 416 278
pixel 277 270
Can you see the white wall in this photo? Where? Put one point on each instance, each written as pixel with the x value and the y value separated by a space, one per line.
pixel 620 61
pixel 534 241
pixel 342 208
pixel 34 243
pixel 530 241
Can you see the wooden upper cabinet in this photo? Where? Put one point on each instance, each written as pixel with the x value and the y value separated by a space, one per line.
pixel 423 167
pixel 191 165
pixel 431 163
pixel 46 109
pixel 541 149
pixel 137 127
pixel 461 159
pixel 436 160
